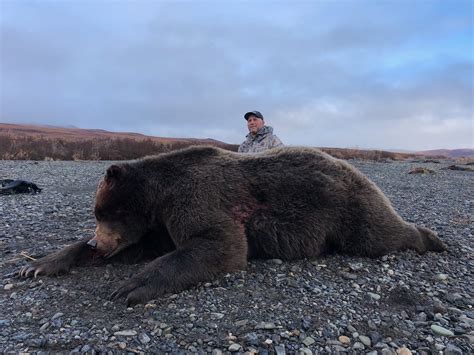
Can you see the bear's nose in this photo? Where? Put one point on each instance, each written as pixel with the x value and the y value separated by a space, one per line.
pixel 92 244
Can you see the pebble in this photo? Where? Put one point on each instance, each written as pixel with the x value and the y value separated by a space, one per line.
pixel 86 348
pixel 458 330
pixel 126 333
pixel 374 295
pixel 351 329
pixel 441 331
pixel 308 341
pixel 251 338
pixel 439 308
pixel 355 266
pixel 348 275
pixel 241 323
pixel 452 349
pixel 265 325
pixel 4 323
pixel 44 327
pixel 467 320
pixel 469 338
pixel 280 350
pixel 365 340
pixel 144 338
pixel 235 347
pixel 8 287
pixel 57 315
pixel 441 277
pixel 404 351
pixel 344 340
pixel 217 315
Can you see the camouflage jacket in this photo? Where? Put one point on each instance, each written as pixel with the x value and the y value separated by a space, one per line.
pixel 263 140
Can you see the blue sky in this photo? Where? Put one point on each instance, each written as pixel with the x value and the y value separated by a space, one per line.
pixel 367 74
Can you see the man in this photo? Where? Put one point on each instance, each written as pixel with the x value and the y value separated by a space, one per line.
pixel 260 137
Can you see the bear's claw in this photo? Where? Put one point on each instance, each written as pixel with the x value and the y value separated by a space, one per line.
pixel 122 291
pixel 133 290
pixel 25 271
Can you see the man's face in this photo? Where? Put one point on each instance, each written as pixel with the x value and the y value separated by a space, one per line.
pixel 254 124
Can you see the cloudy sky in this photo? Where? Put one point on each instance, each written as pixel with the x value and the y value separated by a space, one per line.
pixel 392 74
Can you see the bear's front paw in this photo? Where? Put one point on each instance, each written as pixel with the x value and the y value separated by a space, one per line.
pixel 44 266
pixel 136 290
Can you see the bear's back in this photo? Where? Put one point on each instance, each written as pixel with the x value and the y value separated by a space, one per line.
pixel 285 166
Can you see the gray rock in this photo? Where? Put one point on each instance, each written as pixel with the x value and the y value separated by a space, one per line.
pixel 348 275
pixel 251 338
pixel 358 346
pixel 351 329
pixel 374 296
pixel 441 277
pixel 85 348
pixel 44 327
pixel 57 315
pixel 126 333
pixel 144 338
pixel 452 349
pixel 355 266
pixel 280 350
pixel 441 331
pixel 217 315
pixel 235 347
pixel 365 340
pixel 4 323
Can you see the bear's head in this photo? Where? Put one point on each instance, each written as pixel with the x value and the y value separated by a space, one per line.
pixel 119 210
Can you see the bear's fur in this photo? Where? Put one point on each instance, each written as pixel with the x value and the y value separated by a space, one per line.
pixel 203 211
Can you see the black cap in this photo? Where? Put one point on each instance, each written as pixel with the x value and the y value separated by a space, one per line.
pixel 253 113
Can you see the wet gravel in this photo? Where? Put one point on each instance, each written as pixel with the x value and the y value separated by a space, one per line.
pixel 401 303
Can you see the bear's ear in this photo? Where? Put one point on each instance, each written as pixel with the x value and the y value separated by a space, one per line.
pixel 113 172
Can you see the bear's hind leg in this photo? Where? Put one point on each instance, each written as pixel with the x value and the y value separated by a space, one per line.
pixel 430 241
pixel 378 242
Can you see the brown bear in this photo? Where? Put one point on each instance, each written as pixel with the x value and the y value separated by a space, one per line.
pixel 203 211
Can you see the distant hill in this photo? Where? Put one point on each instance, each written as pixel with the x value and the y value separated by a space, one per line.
pixel 450 153
pixel 33 142
pixel 72 133
pixel 30 142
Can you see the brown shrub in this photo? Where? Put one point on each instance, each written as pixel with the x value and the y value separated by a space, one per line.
pixel 41 148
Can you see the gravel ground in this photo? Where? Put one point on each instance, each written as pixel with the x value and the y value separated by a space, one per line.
pixel 398 303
